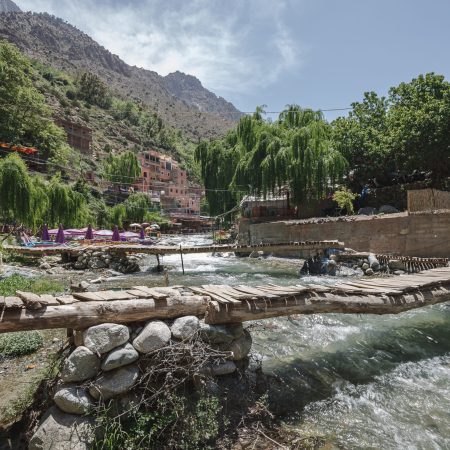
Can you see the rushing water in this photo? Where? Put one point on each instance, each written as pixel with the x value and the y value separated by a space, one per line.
pixel 359 381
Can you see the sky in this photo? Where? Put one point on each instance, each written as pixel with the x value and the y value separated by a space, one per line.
pixel 322 54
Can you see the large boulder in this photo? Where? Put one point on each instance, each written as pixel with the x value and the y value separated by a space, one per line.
pixel 120 356
pixel 80 365
pixel 220 334
pixel 240 347
pixel 223 368
pixel 73 399
pixel 185 327
pixel 155 335
pixel 388 209
pixel 367 211
pixel 61 431
pixel 114 383
pixel 103 338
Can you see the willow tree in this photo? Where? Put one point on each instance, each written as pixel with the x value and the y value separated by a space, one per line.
pixel 122 169
pixel 16 190
pixel 261 158
pixel 136 205
pixel 66 206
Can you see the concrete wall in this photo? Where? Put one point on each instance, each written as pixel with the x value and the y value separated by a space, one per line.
pixel 425 234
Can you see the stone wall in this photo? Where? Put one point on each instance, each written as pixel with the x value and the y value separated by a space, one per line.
pixel 422 235
pixel 106 364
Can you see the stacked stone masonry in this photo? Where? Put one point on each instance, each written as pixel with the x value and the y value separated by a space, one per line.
pixel 104 365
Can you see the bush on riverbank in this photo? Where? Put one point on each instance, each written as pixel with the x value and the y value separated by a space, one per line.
pixel 9 285
pixel 20 343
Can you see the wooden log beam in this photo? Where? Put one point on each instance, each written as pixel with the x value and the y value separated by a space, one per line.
pixel 85 314
pixel 320 303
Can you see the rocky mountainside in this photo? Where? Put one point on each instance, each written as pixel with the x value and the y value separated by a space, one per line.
pixel 178 99
pixel 8 6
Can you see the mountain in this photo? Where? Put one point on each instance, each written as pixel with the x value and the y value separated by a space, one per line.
pixel 189 89
pixel 179 99
pixel 8 6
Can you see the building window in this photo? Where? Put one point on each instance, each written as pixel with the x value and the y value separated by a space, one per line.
pixel 145 174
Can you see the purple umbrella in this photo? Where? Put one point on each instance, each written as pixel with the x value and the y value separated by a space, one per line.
pixel 89 233
pixel 45 235
pixel 60 239
pixel 142 233
pixel 116 235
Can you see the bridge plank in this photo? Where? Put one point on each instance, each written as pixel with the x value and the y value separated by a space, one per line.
pixel 88 296
pixel 66 299
pixel 255 292
pixel 151 292
pixel 115 295
pixel 12 303
pixel 203 291
pixel 31 301
pixel 48 300
pixel 218 290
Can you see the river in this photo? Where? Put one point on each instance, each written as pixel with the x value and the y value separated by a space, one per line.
pixel 359 381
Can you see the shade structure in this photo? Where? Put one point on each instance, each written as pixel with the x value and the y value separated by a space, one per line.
pixel 45 235
pixel 116 235
pixel 128 235
pixel 60 238
pixel 89 233
pixel 142 233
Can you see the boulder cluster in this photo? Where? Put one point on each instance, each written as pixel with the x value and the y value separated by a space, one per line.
pixel 98 259
pixel 104 365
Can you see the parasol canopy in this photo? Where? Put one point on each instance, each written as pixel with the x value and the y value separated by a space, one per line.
pixel 116 235
pixel 60 238
pixel 45 235
pixel 89 233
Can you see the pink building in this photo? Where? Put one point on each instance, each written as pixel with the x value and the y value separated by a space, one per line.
pixel 163 178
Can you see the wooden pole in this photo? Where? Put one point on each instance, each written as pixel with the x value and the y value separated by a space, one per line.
pixel 85 314
pixel 182 262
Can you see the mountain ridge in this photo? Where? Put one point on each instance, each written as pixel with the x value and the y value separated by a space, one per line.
pixel 8 6
pixel 179 99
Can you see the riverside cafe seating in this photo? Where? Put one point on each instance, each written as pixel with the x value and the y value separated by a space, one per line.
pixel 84 236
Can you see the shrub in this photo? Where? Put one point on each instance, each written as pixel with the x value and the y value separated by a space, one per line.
pixel 344 198
pixel 20 343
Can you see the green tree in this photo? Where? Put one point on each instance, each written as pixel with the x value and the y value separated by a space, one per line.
pixel 16 190
pixel 123 168
pixel 362 139
pixel 419 125
pixel 24 117
pixel 136 205
pixel 92 89
pixel 345 198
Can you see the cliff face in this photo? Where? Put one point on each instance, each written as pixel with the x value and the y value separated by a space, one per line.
pixel 178 99
pixel 8 6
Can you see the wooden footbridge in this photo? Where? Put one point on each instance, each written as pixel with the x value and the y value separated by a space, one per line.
pixel 75 250
pixel 223 303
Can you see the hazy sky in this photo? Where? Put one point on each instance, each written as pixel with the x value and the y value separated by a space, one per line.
pixel 317 53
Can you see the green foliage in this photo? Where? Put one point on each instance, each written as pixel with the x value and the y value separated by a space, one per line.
pixel 66 206
pixel 136 205
pixel 261 158
pixel 123 168
pixel 20 343
pixel 174 422
pixel 24 117
pixel 94 91
pixel 16 190
pixel 118 214
pixel 410 129
pixel 345 198
pixel 13 283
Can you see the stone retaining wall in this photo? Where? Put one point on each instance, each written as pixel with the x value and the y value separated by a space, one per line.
pixel 422 235
pixel 106 363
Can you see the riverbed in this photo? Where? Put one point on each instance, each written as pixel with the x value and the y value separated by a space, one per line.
pixel 360 381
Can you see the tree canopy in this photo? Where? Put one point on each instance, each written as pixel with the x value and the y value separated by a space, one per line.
pixel 261 158
pixel 123 168
pixel 25 119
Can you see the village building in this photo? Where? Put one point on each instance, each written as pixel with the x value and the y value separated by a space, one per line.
pixel 78 136
pixel 167 183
